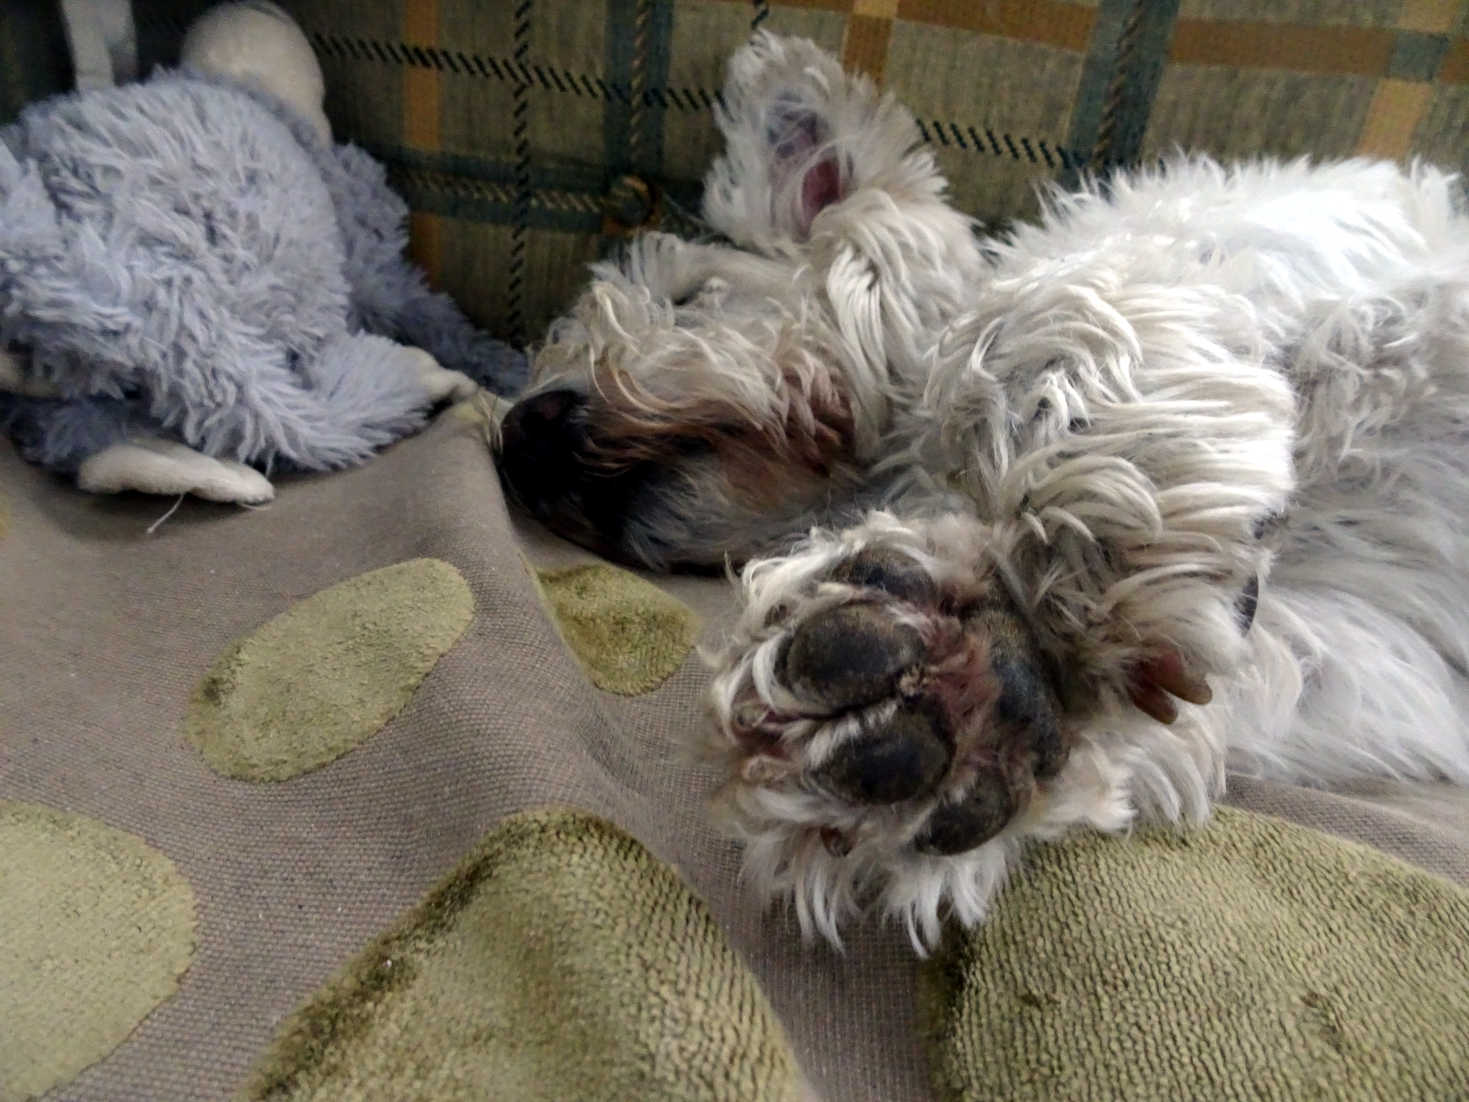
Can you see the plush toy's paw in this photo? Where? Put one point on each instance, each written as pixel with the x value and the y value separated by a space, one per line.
pixel 442 384
pixel 14 379
pixel 153 466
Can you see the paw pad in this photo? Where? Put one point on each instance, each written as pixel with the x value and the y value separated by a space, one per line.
pixel 971 821
pixel 902 759
pixel 848 656
pixel 936 706
pixel 891 571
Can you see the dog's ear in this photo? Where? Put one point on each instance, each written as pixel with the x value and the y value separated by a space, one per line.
pixel 804 165
pixel 800 136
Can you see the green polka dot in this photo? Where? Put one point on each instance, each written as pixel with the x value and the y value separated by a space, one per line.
pixel 1249 960
pixel 96 928
pixel 629 635
pixel 559 960
pixel 315 681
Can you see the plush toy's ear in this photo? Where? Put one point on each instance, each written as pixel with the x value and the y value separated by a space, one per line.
pixel 784 162
pixel 258 42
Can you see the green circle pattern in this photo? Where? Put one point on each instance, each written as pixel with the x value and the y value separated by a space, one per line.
pixel 311 684
pixel 97 927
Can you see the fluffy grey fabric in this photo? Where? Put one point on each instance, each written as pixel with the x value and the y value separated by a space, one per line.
pixel 186 258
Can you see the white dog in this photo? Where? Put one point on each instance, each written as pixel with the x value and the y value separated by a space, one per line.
pixel 1201 423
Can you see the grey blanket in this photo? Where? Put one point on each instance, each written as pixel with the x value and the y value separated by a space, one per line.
pixel 260 773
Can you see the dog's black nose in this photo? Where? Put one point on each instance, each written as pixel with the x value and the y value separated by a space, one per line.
pixel 541 440
pixel 539 421
pixel 582 481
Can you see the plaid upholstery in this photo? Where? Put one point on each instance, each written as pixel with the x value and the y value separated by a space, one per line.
pixel 1385 78
pixel 527 134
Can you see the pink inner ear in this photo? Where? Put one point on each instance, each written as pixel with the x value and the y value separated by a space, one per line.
pixel 821 187
pixel 799 141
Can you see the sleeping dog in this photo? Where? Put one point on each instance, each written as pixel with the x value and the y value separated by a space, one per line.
pixel 1041 531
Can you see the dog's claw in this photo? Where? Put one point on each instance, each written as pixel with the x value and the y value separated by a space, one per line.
pixel 1155 702
pixel 1162 678
pixel 837 844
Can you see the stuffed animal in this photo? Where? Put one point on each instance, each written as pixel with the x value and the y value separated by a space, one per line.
pixel 198 286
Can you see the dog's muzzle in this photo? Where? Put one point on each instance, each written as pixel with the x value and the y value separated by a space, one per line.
pixel 543 458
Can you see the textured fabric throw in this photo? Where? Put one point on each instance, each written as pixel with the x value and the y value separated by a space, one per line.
pixel 558 960
pixel 318 722
pixel 1253 959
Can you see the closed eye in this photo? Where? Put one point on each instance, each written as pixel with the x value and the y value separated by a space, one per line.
pixel 714 288
pixel 689 295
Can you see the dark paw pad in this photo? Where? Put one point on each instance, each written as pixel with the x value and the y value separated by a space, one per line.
pixel 1027 706
pixel 1027 713
pixel 978 817
pixel 890 571
pixel 904 758
pixel 848 656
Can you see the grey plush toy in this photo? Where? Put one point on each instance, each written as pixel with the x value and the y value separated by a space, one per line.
pixel 198 286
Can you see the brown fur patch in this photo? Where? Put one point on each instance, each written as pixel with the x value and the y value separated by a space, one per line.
pixel 764 461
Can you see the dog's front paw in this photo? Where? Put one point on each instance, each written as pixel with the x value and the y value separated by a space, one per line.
pixel 887 715
pixel 890 692
pixel 893 729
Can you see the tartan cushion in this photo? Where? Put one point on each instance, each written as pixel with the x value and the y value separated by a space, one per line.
pixel 527 135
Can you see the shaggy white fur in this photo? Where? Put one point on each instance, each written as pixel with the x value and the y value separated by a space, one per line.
pixel 1202 422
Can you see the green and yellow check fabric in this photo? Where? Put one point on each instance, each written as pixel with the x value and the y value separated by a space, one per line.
pixel 527 134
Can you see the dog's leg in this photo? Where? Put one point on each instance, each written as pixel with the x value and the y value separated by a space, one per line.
pixel 683 272
pixel 892 724
pixel 154 466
